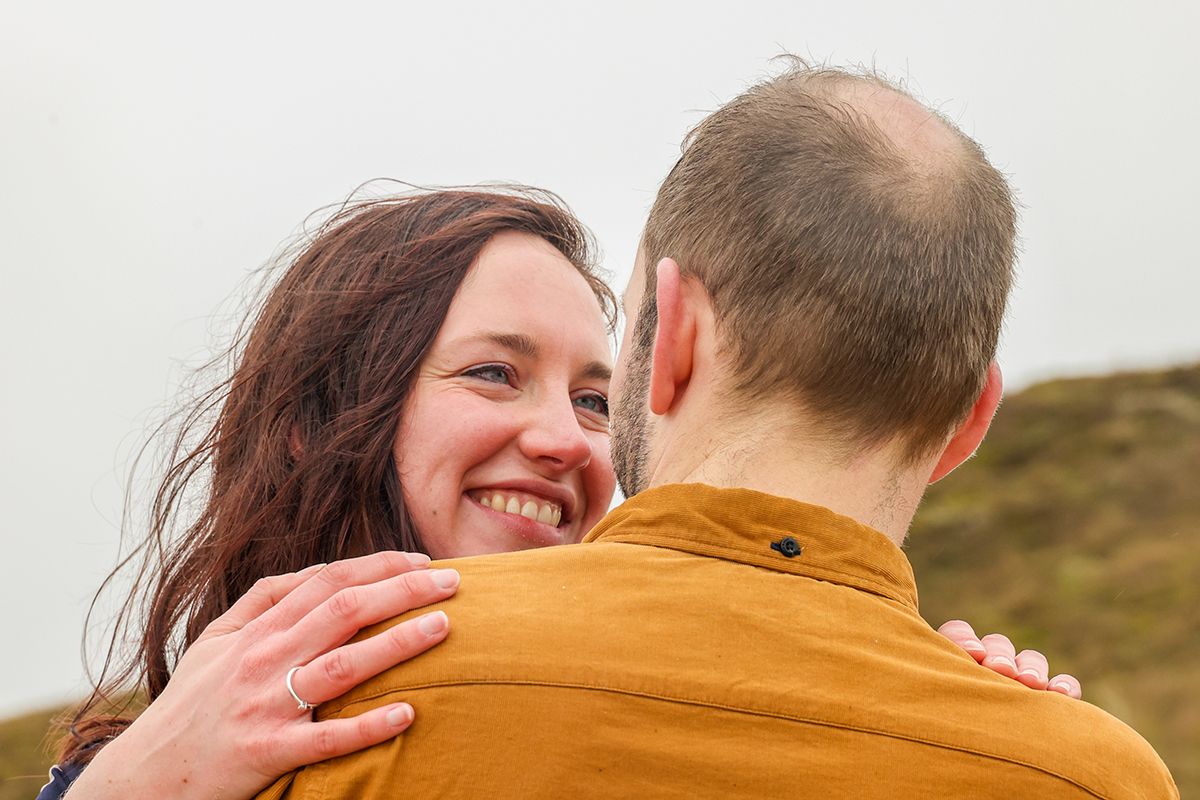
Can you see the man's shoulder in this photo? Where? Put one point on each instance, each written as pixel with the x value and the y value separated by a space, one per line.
pixel 667 627
pixel 517 615
pixel 529 580
pixel 936 693
pixel 1082 744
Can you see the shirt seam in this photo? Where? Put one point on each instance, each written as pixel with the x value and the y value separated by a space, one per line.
pixel 728 707
pixel 683 544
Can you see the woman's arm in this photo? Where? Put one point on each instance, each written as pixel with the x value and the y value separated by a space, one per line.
pixel 227 725
pixel 997 653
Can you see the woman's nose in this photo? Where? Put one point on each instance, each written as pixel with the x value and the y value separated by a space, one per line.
pixel 554 437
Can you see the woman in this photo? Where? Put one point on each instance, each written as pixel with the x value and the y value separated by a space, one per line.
pixel 320 453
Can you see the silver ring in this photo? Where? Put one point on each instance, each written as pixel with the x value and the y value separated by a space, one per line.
pixel 304 705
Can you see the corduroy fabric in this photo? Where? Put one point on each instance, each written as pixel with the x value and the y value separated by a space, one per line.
pixel 677 654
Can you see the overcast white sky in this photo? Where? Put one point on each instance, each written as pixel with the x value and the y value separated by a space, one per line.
pixel 152 154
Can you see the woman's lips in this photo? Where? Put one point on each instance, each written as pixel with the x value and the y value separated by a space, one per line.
pixel 521 527
pixel 522 504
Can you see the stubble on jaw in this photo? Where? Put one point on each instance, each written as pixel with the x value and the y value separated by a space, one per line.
pixel 628 425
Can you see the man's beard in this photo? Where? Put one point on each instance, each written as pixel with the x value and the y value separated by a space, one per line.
pixel 628 427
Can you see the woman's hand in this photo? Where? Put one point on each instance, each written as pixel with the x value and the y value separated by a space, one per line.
pixel 226 725
pixel 997 653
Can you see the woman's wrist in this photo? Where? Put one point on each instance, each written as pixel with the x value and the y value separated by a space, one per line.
pixel 134 765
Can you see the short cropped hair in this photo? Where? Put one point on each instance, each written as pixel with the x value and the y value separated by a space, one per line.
pixel 863 281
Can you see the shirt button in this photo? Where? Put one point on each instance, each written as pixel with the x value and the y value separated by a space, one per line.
pixel 788 546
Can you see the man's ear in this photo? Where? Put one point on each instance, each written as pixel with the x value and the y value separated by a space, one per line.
pixel 674 339
pixel 967 438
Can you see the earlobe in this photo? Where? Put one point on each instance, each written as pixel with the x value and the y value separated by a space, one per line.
pixel 969 435
pixel 674 338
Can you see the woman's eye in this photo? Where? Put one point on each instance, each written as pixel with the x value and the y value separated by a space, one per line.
pixel 493 373
pixel 595 403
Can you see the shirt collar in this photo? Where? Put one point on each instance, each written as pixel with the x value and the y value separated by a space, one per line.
pixel 754 528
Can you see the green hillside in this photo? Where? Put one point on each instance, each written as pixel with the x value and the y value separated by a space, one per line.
pixel 23 759
pixel 1076 531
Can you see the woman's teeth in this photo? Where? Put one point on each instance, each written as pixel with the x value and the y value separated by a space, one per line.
pixel 544 512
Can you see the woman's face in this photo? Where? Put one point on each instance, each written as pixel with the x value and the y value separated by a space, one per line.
pixel 503 443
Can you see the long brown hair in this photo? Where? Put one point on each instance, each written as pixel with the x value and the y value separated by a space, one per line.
pixel 292 455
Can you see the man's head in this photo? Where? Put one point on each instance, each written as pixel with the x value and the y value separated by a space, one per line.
pixel 857 252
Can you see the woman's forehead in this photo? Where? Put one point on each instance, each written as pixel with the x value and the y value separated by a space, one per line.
pixel 521 284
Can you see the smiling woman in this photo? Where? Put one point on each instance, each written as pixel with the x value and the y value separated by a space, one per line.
pixel 505 431
pixel 429 374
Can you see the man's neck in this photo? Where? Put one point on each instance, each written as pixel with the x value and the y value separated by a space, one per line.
pixel 866 487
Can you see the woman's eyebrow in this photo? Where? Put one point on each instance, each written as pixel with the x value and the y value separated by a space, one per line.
pixel 527 346
pixel 517 342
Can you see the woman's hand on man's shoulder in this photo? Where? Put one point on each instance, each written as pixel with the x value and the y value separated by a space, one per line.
pixel 996 652
pixel 236 712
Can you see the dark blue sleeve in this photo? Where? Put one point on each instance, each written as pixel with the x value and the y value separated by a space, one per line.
pixel 61 779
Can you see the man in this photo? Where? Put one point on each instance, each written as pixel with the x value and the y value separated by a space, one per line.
pixel 812 324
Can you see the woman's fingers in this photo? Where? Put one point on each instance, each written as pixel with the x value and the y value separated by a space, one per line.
pixel 262 597
pixel 237 670
pixel 337 576
pixel 1032 669
pixel 997 653
pixel 310 742
pixel 1066 684
pixel 345 613
pixel 1001 655
pixel 278 593
pixel 963 635
pixel 340 670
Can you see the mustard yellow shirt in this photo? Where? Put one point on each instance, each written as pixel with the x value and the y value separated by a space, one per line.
pixel 717 643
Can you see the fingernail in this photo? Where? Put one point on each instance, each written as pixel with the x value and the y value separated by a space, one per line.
pixel 1059 686
pixel 400 715
pixel 417 559
pixel 1005 660
pixel 445 578
pixel 974 645
pixel 1029 673
pixel 433 624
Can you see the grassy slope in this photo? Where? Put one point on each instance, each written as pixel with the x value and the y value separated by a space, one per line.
pixel 23 756
pixel 1076 531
